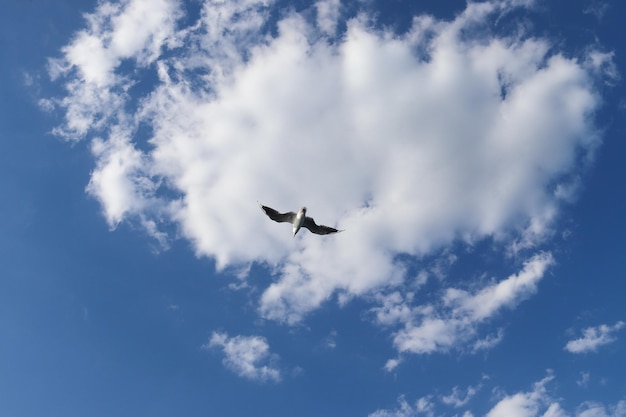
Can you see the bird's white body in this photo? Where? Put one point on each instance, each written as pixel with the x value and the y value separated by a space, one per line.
pixel 299 220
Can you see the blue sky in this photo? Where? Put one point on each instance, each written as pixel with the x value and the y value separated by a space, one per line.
pixel 472 151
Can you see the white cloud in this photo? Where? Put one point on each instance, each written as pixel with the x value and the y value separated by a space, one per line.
pixel 489 342
pixel 394 308
pixel 247 356
pixel 603 63
pixel 508 292
pixel 422 407
pixel 458 398
pixel 597 8
pixel 528 404
pixel 537 402
pixel 584 379
pixel 328 15
pixel 594 409
pixel 96 91
pixel 330 341
pixel 119 180
pixel 136 29
pixel 392 364
pixel 411 142
pixel 455 320
pixel 593 338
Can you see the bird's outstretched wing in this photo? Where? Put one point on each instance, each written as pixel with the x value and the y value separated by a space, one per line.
pixel 278 217
pixel 310 224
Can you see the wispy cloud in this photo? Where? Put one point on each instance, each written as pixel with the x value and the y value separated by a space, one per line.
pixel 531 403
pixel 535 402
pixel 328 15
pixel 596 409
pixel 584 379
pixel 594 337
pixel 96 89
pixel 597 8
pixel 422 407
pixel 330 341
pixel 247 356
pixel 460 398
pixel 455 320
pixel 488 342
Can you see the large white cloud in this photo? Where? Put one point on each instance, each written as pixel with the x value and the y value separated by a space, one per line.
pixel 410 141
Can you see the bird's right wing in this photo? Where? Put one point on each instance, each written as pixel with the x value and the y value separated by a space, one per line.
pixel 318 229
pixel 278 217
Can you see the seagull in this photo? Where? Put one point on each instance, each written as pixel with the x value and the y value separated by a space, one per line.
pixel 298 220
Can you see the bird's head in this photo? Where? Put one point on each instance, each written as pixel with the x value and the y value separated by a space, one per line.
pixel 303 210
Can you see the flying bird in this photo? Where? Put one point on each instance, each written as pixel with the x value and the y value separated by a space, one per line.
pixel 298 220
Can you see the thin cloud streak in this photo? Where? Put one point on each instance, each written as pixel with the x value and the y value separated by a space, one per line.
pixel 456 319
pixel 594 337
